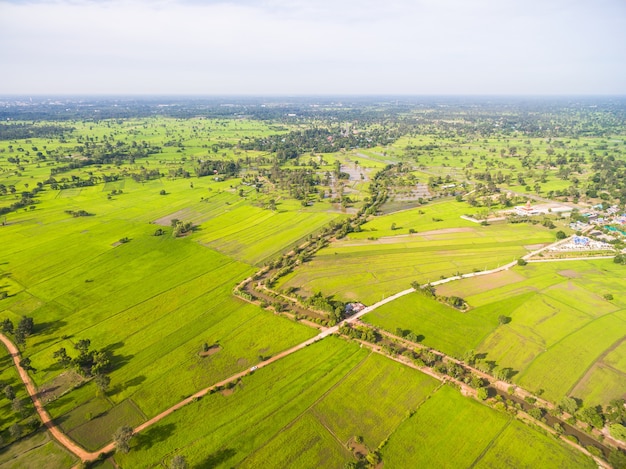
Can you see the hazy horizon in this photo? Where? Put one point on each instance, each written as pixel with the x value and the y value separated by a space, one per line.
pixel 285 48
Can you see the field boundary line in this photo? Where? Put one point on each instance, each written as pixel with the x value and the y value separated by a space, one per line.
pixel 411 414
pixel 308 409
pixel 598 361
pixel 523 373
pixel 490 444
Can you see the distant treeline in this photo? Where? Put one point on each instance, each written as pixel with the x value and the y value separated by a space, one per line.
pixel 539 116
pixel 15 131
pixel 322 140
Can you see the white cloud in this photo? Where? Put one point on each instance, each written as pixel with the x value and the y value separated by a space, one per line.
pixel 304 47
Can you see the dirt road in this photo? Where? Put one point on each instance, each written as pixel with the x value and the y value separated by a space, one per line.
pixel 43 413
pixel 90 456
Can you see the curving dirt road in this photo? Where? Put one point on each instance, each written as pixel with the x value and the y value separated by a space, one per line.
pixel 43 413
pixel 90 456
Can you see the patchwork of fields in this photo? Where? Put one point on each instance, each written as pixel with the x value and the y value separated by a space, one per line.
pixel 563 334
pixel 157 304
pixel 364 269
pixel 304 410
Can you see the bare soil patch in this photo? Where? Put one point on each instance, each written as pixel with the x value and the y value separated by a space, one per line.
pixel 181 214
pixel 465 229
pixel 569 273
pixel 358 449
pixel 534 247
pixel 60 385
pixel 213 349
pixel 480 284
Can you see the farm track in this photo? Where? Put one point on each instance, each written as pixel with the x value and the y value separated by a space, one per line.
pixel 87 456
pixel 43 413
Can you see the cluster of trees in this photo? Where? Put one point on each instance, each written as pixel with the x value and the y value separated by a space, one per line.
pixel 321 140
pixel 300 182
pixel 613 415
pixel 17 130
pixel 79 213
pixel 26 198
pixel 360 332
pixel 181 227
pixel 25 328
pixel 326 303
pixel 21 409
pixel 429 291
pixel 224 168
pixel 146 175
pixel 88 362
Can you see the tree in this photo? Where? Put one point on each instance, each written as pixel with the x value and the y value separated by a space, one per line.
pixel 617 459
pixel 373 458
pixel 569 405
pixel 62 357
pixel 26 326
pixel 9 392
pixel 83 346
pixel 560 235
pixel 522 262
pixel 100 362
pixel 18 406
pixel 502 319
pixel 482 394
pixel 15 430
pixel 178 462
pixel 20 338
pixel 7 326
pixel 25 363
pixel 592 416
pixel 618 431
pixel 103 382
pixel 122 438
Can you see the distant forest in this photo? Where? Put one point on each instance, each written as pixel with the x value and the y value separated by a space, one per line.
pixel 535 116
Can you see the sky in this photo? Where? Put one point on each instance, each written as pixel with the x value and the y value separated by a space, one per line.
pixel 313 47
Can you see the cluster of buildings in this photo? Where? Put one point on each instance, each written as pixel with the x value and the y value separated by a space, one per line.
pixel 582 243
pixel 353 308
pixel 543 209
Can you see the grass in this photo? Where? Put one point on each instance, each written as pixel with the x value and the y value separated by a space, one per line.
pixel 560 326
pixel 523 447
pixel 152 303
pixel 372 400
pixel 37 450
pixel 600 385
pixel 253 235
pixel 448 430
pixel 304 444
pixel 8 416
pixel 98 431
pixel 224 430
pixel 443 327
pixel 366 270
pixel 557 370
